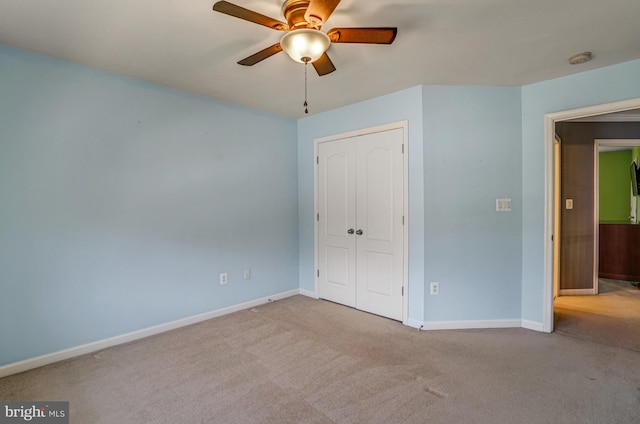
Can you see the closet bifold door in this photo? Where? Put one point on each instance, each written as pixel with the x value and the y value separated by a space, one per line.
pixel 379 249
pixel 360 222
pixel 337 217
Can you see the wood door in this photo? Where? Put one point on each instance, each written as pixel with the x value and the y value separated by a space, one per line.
pixel 360 222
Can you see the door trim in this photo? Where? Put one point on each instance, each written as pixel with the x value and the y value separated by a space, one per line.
pixel 550 120
pixel 557 225
pixel 404 125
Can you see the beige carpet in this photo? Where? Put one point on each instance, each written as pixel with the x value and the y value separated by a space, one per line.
pixel 612 317
pixel 301 360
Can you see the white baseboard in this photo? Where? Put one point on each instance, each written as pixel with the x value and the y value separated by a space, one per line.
pixel 577 292
pixel 467 325
pixel 309 293
pixel 415 323
pixel 533 325
pixel 40 361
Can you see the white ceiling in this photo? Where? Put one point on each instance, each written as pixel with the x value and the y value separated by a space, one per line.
pixel 184 44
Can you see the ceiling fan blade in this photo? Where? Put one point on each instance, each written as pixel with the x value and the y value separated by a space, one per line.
pixel 324 65
pixel 261 55
pixel 319 11
pixel 363 35
pixel 249 15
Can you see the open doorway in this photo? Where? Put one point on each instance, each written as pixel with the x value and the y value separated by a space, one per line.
pixel 624 111
pixel 617 199
pixel 608 311
pixel 557 203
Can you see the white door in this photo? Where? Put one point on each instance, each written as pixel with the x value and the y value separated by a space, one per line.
pixel 336 221
pixel 360 222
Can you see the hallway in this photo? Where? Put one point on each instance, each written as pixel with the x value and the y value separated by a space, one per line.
pixel 612 317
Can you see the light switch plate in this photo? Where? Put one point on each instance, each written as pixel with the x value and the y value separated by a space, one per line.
pixel 503 205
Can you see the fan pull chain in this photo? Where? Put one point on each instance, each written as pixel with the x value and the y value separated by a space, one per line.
pixel 306 63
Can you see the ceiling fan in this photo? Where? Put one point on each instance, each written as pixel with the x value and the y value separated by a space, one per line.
pixel 303 41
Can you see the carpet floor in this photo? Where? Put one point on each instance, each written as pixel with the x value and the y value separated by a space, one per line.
pixel 301 360
pixel 612 317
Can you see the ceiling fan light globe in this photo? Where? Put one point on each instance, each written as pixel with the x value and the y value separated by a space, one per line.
pixel 305 45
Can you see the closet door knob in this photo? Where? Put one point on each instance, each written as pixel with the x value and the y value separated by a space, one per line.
pixel 350 231
pixel 359 232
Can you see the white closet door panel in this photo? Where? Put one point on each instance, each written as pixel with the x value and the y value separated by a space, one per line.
pixel 338 266
pixel 337 214
pixel 379 270
pixel 379 193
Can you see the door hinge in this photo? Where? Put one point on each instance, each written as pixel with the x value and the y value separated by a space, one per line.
pixel 317 160
pixel 317 217
pixel 403 149
pixel 402 290
pixel 402 219
pixel 318 273
pixel 551 237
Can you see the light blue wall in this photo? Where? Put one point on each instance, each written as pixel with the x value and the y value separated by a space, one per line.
pixel 464 152
pixel 121 201
pixel 472 155
pixel 400 106
pixel 590 88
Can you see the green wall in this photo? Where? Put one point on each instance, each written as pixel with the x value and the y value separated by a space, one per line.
pixel 635 153
pixel 614 185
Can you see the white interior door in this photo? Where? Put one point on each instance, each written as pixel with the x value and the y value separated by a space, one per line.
pixel 379 210
pixel 337 218
pixel 360 222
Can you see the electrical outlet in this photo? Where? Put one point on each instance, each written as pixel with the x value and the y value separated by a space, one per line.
pixel 434 289
pixel 223 278
pixel 247 273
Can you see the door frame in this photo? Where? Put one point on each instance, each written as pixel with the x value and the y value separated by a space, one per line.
pixel 604 142
pixel 557 224
pixel 404 125
pixel 550 120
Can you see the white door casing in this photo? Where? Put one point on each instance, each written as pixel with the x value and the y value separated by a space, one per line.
pixel 360 222
pixel 550 120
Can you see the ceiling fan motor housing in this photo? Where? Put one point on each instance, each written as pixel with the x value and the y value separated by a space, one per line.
pixel 294 10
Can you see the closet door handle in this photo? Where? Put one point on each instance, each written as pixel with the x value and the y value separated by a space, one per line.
pixel 350 231
pixel 359 232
